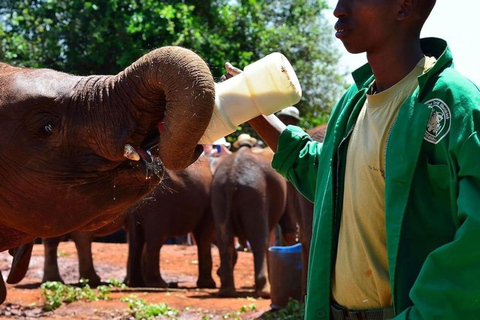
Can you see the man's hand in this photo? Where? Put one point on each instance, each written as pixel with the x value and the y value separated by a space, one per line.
pixel 231 71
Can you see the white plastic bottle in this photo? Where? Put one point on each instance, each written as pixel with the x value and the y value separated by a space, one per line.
pixel 264 87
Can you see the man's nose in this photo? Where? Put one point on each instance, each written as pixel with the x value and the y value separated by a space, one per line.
pixel 340 9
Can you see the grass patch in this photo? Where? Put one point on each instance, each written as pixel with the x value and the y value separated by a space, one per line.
pixel 56 293
pixel 295 310
pixel 233 315
pixel 140 309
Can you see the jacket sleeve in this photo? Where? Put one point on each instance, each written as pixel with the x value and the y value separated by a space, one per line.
pixel 297 160
pixel 448 285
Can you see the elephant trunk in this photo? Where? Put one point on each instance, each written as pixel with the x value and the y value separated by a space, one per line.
pixel 174 87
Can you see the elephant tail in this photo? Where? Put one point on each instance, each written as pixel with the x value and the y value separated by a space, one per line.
pixel 223 209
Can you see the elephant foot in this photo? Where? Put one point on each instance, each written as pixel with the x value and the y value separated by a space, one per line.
pixel 206 283
pixel 47 278
pixel 227 292
pixel 93 282
pixel 263 293
pixel 134 282
pixel 157 284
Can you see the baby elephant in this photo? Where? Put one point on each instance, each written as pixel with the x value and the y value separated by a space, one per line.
pixel 179 206
pixel 248 198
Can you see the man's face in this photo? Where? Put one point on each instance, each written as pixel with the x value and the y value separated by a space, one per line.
pixel 366 25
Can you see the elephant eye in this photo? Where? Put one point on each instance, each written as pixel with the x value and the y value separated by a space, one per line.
pixel 46 130
pixel 44 124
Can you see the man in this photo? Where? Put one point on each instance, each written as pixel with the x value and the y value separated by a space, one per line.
pixel 244 140
pixel 397 181
pixel 218 148
pixel 289 116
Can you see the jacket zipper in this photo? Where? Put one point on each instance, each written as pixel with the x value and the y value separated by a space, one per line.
pixel 337 193
pixel 386 146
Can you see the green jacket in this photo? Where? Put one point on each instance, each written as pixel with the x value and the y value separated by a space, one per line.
pixel 432 194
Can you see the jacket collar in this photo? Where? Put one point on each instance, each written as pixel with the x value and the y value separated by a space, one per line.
pixel 435 47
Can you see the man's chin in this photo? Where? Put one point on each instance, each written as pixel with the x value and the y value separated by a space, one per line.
pixel 353 50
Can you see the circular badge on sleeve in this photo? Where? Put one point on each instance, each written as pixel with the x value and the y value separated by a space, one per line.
pixel 440 120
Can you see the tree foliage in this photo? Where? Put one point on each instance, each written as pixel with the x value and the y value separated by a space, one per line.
pixel 105 36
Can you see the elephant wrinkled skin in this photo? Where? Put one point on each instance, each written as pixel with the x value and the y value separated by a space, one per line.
pixel 64 138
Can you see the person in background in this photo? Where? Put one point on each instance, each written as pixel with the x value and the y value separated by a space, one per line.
pixel 244 140
pixel 289 116
pixel 215 151
pixel 222 147
pixel 218 148
pixel 396 182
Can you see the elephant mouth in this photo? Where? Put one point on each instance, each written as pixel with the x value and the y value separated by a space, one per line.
pixel 148 154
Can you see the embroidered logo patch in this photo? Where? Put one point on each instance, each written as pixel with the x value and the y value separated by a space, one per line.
pixel 440 119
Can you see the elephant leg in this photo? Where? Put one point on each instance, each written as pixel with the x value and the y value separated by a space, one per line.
pixel 258 236
pixel 203 237
pixel 21 260
pixel 228 257
pixel 291 217
pixel 3 289
pixel 222 213
pixel 136 243
pixel 151 263
pixel 306 222
pixel 50 264
pixel 83 243
pixel 288 228
pixel 225 271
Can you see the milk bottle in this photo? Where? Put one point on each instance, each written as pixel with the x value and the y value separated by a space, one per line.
pixel 264 87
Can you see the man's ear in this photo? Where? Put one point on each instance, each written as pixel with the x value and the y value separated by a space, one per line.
pixel 406 9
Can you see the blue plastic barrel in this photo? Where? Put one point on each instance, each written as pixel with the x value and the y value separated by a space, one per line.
pixel 285 274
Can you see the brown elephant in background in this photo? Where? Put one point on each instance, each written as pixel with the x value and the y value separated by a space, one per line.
pixel 288 220
pixel 248 199
pixel 181 205
pixel 83 243
pixel 92 144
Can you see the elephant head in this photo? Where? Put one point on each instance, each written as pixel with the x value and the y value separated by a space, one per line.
pixel 75 152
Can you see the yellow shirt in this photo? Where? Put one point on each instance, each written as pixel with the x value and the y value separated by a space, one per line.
pixel 361 278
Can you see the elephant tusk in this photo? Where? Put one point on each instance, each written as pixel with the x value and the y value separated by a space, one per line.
pixel 130 153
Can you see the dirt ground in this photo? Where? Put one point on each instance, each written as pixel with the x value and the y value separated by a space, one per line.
pixel 178 264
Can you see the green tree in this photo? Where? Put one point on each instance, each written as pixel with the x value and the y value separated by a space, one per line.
pixel 104 36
